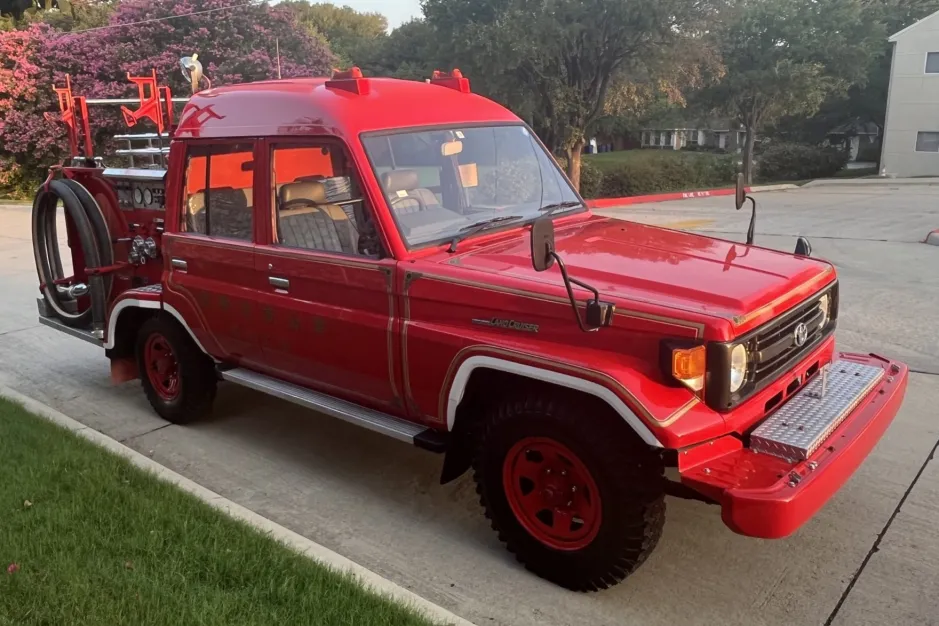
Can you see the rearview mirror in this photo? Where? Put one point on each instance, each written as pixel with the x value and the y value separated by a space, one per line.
pixel 451 148
pixel 741 191
pixel 542 244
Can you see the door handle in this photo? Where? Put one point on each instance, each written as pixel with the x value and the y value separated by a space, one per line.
pixel 179 264
pixel 280 283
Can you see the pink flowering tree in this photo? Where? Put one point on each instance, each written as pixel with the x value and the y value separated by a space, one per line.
pixel 26 138
pixel 235 45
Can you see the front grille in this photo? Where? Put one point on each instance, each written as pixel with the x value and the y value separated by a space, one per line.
pixel 775 347
pixel 772 349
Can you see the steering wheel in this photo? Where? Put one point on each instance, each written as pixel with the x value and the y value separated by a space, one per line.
pixel 421 206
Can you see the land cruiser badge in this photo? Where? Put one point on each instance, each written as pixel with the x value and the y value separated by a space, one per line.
pixel 509 324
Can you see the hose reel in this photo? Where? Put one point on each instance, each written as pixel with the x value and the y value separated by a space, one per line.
pixel 64 295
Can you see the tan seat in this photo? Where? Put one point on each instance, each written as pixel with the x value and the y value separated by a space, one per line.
pixel 305 219
pixel 405 195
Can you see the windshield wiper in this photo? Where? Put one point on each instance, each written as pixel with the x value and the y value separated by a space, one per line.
pixel 550 209
pixel 472 229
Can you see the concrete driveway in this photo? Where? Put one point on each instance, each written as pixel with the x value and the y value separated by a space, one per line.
pixel 871 556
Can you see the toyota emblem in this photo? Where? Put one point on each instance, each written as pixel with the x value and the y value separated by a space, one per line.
pixel 801 334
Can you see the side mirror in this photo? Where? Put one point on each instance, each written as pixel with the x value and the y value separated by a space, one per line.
pixel 542 244
pixel 803 247
pixel 741 191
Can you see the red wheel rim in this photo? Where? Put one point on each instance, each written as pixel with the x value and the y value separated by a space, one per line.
pixel 162 368
pixel 552 493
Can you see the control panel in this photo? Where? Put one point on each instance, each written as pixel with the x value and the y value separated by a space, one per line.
pixel 139 189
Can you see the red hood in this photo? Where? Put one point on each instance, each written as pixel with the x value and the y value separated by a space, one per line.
pixel 630 261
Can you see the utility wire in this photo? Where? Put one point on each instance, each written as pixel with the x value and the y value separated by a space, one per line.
pixel 158 19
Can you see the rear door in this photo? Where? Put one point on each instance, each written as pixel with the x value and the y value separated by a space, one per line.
pixel 327 309
pixel 211 277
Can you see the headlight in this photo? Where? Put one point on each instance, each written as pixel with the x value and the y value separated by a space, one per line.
pixel 824 304
pixel 738 367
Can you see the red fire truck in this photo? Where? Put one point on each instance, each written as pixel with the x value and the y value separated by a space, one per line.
pixel 407 256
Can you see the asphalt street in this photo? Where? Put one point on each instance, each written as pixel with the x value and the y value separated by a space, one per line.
pixel 870 556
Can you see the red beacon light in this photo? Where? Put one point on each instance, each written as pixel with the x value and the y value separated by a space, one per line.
pixel 453 80
pixel 350 80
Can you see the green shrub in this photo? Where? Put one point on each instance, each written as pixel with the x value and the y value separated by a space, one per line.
pixel 591 177
pixel 789 161
pixel 666 172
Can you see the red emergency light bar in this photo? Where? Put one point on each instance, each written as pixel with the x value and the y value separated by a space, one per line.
pixel 453 80
pixel 350 80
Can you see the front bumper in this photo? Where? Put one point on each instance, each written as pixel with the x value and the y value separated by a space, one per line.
pixel 765 495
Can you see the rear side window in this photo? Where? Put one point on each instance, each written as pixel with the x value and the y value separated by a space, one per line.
pixel 219 194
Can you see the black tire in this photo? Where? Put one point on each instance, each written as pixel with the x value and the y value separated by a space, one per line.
pixel 196 380
pixel 627 474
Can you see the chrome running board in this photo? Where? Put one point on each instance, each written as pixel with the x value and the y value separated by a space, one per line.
pixel 375 421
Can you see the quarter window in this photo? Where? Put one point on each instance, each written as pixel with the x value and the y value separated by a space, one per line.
pixel 932 62
pixel 927 142
pixel 219 195
pixel 318 202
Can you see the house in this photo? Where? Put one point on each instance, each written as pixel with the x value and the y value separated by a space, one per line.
pixel 911 133
pixel 701 134
pixel 861 137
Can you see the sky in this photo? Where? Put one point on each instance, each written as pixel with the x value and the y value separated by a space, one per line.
pixel 397 11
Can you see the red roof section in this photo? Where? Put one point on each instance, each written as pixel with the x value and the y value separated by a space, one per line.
pixel 308 106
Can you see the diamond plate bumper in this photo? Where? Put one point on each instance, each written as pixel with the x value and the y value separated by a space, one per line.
pixel 765 495
pixel 800 426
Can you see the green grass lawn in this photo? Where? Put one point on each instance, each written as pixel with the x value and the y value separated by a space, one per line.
pixel 87 538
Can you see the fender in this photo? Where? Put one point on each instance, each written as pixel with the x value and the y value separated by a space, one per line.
pixel 156 305
pixel 466 368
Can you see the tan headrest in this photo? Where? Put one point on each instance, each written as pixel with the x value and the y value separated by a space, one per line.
pixel 400 180
pixel 311 191
pixel 196 202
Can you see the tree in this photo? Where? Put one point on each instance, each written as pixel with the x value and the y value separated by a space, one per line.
pixel 346 30
pixel 555 61
pixel 785 57
pixel 865 103
pixel 234 46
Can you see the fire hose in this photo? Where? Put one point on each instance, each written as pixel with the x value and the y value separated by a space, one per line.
pixel 96 246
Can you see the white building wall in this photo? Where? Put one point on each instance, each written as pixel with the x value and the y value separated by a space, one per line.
pixel 913 102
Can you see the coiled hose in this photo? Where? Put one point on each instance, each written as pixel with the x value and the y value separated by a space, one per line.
pixel 95 240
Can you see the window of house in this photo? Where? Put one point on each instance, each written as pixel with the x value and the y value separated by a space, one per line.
pixel 219 192
pixel 932 62
pixel 318 202
pixel 927 142
pixel 693 137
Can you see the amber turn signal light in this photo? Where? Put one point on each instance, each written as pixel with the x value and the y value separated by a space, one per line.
pixel 689 365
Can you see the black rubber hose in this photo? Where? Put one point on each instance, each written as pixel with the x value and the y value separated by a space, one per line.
pixel 100 227
pixel 45 202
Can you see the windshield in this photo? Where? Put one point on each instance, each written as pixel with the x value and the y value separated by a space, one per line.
pixel 442 184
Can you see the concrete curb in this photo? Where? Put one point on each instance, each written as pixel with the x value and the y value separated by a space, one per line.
pixel 609 203
pixel 933 238
pixel 336 562
pixel 866 182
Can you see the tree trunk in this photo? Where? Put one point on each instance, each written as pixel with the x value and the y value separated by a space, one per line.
pixel 574 153
pixel 748 155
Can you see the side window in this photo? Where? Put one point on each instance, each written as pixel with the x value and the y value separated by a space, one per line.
pixel 219 193
pixel 318 202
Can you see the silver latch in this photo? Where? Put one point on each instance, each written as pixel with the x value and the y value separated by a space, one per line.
pixel 820 391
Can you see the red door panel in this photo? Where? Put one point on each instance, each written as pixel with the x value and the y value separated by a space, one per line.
pixel 213 284
pixel 330 325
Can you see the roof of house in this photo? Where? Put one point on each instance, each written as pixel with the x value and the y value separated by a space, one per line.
pixel 912 26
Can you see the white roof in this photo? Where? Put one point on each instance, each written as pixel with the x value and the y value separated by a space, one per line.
pixel 896 36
